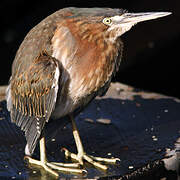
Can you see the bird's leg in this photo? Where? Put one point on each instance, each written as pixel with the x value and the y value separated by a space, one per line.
pixel 82 155
pixel 48 166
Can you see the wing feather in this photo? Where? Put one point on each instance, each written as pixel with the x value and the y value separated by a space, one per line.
pixel 32 96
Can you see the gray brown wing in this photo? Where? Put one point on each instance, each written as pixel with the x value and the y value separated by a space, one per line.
pixel 33 95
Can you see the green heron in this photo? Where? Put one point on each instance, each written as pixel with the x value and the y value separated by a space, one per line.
pixel 63 63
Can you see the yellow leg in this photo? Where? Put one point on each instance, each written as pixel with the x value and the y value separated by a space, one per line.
pixel 82 155
pixel 48 166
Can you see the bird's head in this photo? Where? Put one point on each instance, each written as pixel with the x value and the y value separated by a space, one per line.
pixel 119 24
pixel 112 22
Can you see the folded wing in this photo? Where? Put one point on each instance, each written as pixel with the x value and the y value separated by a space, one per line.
pixel 32 95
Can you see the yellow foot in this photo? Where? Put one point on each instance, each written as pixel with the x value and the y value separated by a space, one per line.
pixel 48 166
pixel 91 159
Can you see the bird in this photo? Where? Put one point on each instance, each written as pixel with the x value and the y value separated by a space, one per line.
pixel 63 63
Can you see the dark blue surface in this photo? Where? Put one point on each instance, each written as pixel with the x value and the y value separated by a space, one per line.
pixel 137 131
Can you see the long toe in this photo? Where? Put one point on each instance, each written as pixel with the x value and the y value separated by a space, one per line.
pixel 72 165
pixel 41 164
pixel 106 160
pixel 66 169
pixel 95 161
pixel 48 166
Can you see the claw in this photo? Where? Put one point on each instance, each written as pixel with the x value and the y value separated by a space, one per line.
pixel 117 160
pixel 26 158
pixel 63 149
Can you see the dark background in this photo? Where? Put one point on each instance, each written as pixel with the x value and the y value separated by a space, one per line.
pixel 151 54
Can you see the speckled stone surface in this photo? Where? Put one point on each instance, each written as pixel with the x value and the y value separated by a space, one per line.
pixel 138 127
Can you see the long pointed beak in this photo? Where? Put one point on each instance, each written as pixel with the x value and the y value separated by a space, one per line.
pixel 139 17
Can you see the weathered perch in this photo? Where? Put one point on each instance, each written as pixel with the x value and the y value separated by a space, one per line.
pixel 139 127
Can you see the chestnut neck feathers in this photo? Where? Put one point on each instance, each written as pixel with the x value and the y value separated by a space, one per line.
pixel 85 46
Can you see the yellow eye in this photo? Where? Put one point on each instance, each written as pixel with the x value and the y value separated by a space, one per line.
pixel 107 21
